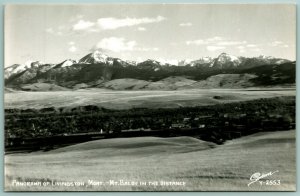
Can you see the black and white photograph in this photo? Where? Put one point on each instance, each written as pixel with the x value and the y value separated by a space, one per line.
pixel 149 97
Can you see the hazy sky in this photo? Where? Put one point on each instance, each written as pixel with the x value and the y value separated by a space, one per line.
pixel 52 33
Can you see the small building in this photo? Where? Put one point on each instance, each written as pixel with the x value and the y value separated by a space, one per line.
pixel 177 125
pixel 201 126
pixel 186 119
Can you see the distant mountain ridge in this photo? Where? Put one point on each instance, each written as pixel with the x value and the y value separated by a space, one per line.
pixel 97 69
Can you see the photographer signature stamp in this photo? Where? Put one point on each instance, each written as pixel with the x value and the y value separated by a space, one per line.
pixel 261 179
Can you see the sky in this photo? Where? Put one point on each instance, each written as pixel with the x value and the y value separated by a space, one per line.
pixel 165 32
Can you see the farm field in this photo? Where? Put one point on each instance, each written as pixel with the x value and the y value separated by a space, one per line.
pixel 202 166
pixel 113 99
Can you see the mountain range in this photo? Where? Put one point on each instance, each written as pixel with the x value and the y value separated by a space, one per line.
pixel 98 70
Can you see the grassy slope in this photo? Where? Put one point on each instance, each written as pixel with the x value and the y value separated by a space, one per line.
pixel 229 81
pixel 200 164
pixel 43 87
pixel 124 84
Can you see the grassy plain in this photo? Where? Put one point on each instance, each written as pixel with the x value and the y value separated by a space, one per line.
pixel 113 99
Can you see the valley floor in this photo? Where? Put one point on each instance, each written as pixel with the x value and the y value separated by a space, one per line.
pixel 193 164
pixel 112 99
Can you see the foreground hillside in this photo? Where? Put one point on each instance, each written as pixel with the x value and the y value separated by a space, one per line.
pixel 200 165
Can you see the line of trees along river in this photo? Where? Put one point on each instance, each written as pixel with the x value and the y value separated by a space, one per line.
pixel 216 123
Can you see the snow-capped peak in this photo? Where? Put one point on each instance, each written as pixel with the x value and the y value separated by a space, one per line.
pixel 18 68
pixel 95 57
pixel 185 62
pixel 28 63
pixel 68 62
pixel 265 57
pixel 225 60
pixel 131 62
pixel 99 56
pixel 206 59
pixel 226 57
pixel 36 64
pixel 168 61
pixel 223 57
pixel 202 60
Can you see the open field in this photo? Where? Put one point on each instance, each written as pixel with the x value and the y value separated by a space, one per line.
pixel 128 99
pixel 203 166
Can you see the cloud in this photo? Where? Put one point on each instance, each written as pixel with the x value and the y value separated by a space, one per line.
pixel 146 49
pixel 83 25
pixel 251 45
pixel 76 17
pixel 119 44
pixel 212 40
pixel 71 43
pixel 53 32
pixel 72 49
pixel 216 38
pixel 114 23
pixel 196 42
pixel 231 43
pixel 241 49
pixel 49 30
pixel 256 49
pixel 79 16
pixel 277 43
pixel 216 42
pixel 116 44
pixel 188 24
pixel 141 29
pixel 214 48
pixel 61 27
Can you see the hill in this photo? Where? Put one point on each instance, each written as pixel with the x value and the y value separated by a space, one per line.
pixel 225 81
pixel 275 74
pixel 124 84
pixel 42 87
pixel 140 145
pixel 170 83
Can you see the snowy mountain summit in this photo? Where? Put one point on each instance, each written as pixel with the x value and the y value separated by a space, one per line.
pixel 225 60
pixel 96 57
